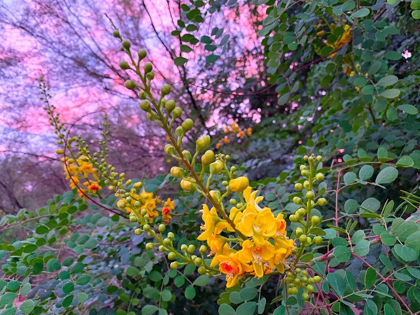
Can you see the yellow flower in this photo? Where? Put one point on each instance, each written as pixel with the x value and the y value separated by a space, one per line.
pixel 283 250
pixel 215 242
pixel 212 223
pixel 233 268
pixel 257 254
pixel 249 131
pixel 256 222
pixel 241 134
pixel 344 39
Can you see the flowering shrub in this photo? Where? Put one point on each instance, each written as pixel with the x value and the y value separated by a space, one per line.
pixel 336 233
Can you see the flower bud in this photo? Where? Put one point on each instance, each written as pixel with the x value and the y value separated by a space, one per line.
pixel 144 105
pixel 162 227
pixel 116 33
pixel 147 67
pixel 298 186
pixel 126 44
pixel 149 246
pixel 233 202
pixel 202 270
pixel 297 200
pixel 161 248
pixel 150 75
pixel 305 296
pixel 187 124
pixel 142 54
pixel 207 157
pixel 239 184
pixel 177 112
pixel 184 247
pixel 170 105
pixel 124 65
pixel 129 84
pixel 216 167
pixel 318 240
pixel 315 220
pixel 137 231
pixel 167 241
pixel 165 89
pixel 187 155
pixel 202 142
pixel 310 195
pixel 198 261
pixel 169 149
pixel 306 184
pixel 303 167
pixel 177 172
pixel 179 131
pixel 304 173
pixel 174 265
pixel 171 235
pixel 59 151
pixel 215 194
pixel 191 249
pixel 319 158
pixel 319 177
pixel 186 185
pixel 142 95
pixel 203 249
pixel 146 227
pixel 317 279
pixel 171 256
pixel 303 238
pixel 138 185
pixel 322 201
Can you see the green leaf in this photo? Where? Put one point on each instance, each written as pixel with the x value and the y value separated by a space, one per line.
pixel 90 244
pixel 350 206
pixel 226 309
pixel 366 172
pixel 155 276
pixel 42 229
pixel 406 253
pixel 416 14
pixel 83 279
pixel 68 287
pixel 342 254
pixel 190 292
pixel 283 99
pixel 391 93
pixel 186 48
pixel 248 294
pixel 7 298
pixel 149 309
pixel 370 308
pixel 201 281
pixel 132 271
pixel 67 301
pixel 413 241
pixel 337 283
pixel 30 248
pixel 179 281
pixel 388 239
pixel 360 13
pixel 77 267
pixel 370 277
pixel 179 61
pixel 372 204
pixel 409 109
pixel 348 6
pixel 405 161
pixel 362 248
pixel 387 175
pixel 166 295
pixel 247 308
pixel 82 297
pixel 349 178
pixel 387 81
pixel 212 58
pixel 27 306
pixel 393 55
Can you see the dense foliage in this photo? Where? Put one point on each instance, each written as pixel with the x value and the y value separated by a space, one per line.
pixel 313 210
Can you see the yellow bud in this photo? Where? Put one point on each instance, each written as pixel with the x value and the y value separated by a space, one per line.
pixel 202 142
pixel 215 194
pixel 207 157
pixel 177 172
pixel 138 185
pixel 320 33
pixel 169 149
pixel 187 185
pixel 319 177
pixel 216 167
pixel 59 151
pixel 238 184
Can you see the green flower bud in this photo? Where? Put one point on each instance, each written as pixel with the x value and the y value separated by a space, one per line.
pixel 144 105
pixel 187 185
pixel 198 261
pixel 303 238
pixel 191 249
pixel 179 131
pixel 169 149
pixel 177 172
pixel 146 227
pixel 151 116
pixel 298 186
pixel 171 256
pixel 137 231
pixel 315 220
pixel 170 105
pixel 165 89
pixel 203 249
pixel 319 177
pixel 124 65
pixel 177 112
pixel 305 157
pixel 225 183
pixel 126 44
pixel 322 201
pixel 187 124
pixel 174 265
pixel 149 246
pixel 310 195
pixel 303 167
pixel 216 167
pixel 184 247
pixel 133 218
pixel 297 200
pixel 171 235
pixel 319 158
pixel 317 279
pixel 305 296
pixel 142 95
pixel 293 218
pixel 129 84
pixel 162 227
pixel 215 194
pixel 116 33
pixel 318 240
pixel 299 231
pixel 304 173
pixel 202 270
pixel 310 288
pixel 233 202
pixel 187 155
pixel 306 184
pixel 150 75
pixel 162 248
pixel 202 142
pixel 142 54
pixel 167 241
pixel 143 212
pixel 207 157
pixel 147 67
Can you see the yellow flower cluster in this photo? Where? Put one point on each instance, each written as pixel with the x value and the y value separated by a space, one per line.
pixel 344 39
pixel 232 132
pixel 79 169
pixel 264 247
